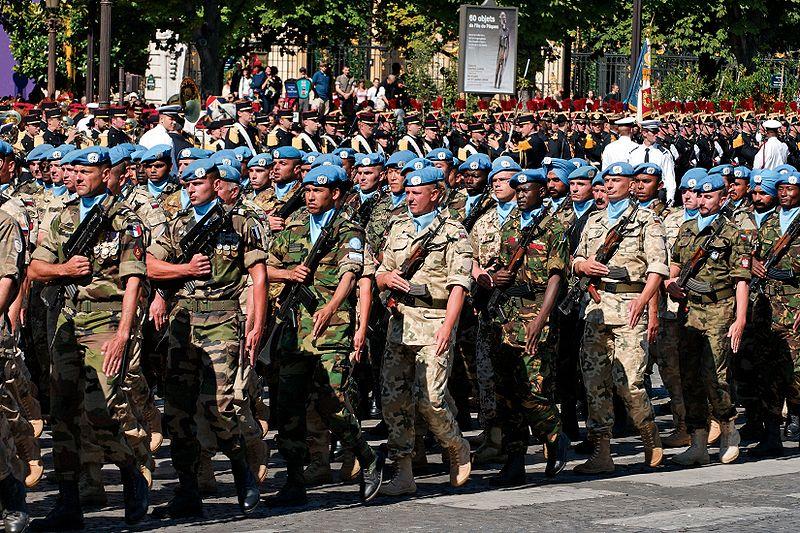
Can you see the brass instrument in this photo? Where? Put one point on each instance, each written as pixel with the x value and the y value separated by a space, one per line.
pixel 9 126
pixel 189 97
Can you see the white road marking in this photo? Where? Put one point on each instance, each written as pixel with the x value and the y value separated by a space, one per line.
pixel 500 499
pixel 692 477
pixel 696 517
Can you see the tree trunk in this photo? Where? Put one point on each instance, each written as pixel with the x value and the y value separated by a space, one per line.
pixel 207 41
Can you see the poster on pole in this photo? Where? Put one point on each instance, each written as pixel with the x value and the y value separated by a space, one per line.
pixel 487 53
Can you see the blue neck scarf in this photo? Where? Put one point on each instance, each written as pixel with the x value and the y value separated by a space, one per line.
pixel 471 201
pixel 647 204
pixel 157 188
pixel 504 209
pixel 555 203
pixel 88 202
pixel 282 188
pixel 737 203
pixel 615 209
pixel 786 217
pixel 59 190
pixel 47 185
pixel 184 199
pixel 397 199
pixel 201 210
pixel 526 217
pixel 4 186
pixel 317 222
pixel 581 207
pixel 760 217
pixel 689 214
pixel 366 195
pixel 423 221
pixel 40 183
pixel 704 222
pixel 246 183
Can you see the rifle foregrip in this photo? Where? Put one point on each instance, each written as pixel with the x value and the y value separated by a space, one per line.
pixel 593 293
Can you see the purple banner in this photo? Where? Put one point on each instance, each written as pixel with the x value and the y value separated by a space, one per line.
pixel 11 83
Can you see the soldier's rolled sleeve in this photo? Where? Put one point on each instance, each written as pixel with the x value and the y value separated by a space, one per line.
pixel 253 236
pixel 459 261
pixel 47 251
pixel 741 256
pixel 277 250
pixel 655 249
pixel 132 262
pixel 162 247
pixel 11 259
pixel 350 256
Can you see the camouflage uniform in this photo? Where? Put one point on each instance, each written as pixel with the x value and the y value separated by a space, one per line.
pixel 205 337
pixel 318 368
pixel 169 199
pixel 379 224
pixel 614 354
pixel 704 346
pixel 413 375
pixel 521 400
pixel 269 201
pixel 83 326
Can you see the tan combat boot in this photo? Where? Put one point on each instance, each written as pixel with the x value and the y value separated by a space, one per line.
pixel 403 480
pixel 728 442
pixel 600 461
pixel 90 485
pixel 318 472
pixel 257 451
pixel 206 481
pixel 713 432
pixel 491 451
pixel 678 438
pixel 351 468
pixel 31 455
pixel 32 412
pixel 153 421
pixel 147 474
pixel 653 451
pixel 460 464
pixel 697 453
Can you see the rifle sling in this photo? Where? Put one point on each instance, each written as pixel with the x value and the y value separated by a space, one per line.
pixel 712 297
pixel 620 288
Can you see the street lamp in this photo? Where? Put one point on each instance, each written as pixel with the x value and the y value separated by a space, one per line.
pixel 52 24
pixel 105 51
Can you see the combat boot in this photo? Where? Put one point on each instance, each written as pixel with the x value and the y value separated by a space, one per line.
pixel 697 453
pixel 460 464
pixel 753 428
pixel 206 481
pixel 351 467
pixel 91 489
pixel 66 515
pixel 12 500
pixel 770 444
pixel 293 492
pixel 33 412
pixel 31 454
pixel 491 450
pixel 372 473
pixel 187 502
pixel 653 451
pixel 420 455
pixel 257 452
pixel 600 461
pixel 402 481
pixel 318 472
pixel 792 429
pixel 513 472
pixel 556 455
pixel 714 432
pixel 153 421
pixel 678 438
pixel 728 442
pixel 246 485
pixel 135 492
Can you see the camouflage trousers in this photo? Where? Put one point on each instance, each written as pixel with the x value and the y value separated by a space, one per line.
pixel 20 432
pixel 82 389
pixel 614 357
pixel 486 341
pixel 704 358
pixel 321 378
pixel 521 401
pixel 415 380
pixel 38 342
pixel 665 354
pixel 10 465
pixel 318 436
pixel 202 362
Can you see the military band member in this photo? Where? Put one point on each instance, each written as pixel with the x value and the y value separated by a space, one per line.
pixel 52 133
pixel 526 146
pixel 31 132
pixel 116 134
pixel 242 132
pixel 412 140
pixel 431 136
pixel 363 141
pixel 308 140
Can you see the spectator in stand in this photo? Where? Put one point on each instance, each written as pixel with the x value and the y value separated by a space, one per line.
pixel 273 90
pixel 590 98
pixel 322 87
pixel 345 89
pixel 377 94
pixel 390 86
pixel 614 94
pixel 258 83
pixel 304 91
pixel 245 85
pixel 361 93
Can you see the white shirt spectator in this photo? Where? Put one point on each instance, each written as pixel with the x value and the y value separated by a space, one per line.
pixel 772 153
pixel 377 95
pixel 618 151
pixel 245 90
pixel 660 156
pixel 157 135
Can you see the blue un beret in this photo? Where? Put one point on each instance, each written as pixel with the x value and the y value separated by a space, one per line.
pixel 224 157
pixel 374 159
pixel 529 175
pixel 194 153
pixel 440 154
pixel 722 170
pixel 260 160
pixel 691 177
pixel 38 152
pixel 585 172
pixel 325 175
pixel 476 162
pixel 578 162
pixel 710 183
pixel 785 169
pixel 418 163
pixel 345 153
pixel 308 158
pixel 229 174
pixel 504 164
pixel 327 160
pixel 286 152
pixel 92 156
pixel 619 169
pixel 198 169
pixel 60 151
pixel 741 173
pixel 423 176
pixel 792 178
pixel 5 149
pixel 243 153
pixel 651 169
pixel 399 159
pixel 157 153
pixel 118 154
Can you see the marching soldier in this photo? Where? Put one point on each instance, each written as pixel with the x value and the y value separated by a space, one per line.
pixel 308 140
pixel 389 205
pixel 52 133
pixel 116 135
pixel 285 175
pixel 157 163
pixel 242 132
pixel 411 140
pixel 363 141
pixel 258 171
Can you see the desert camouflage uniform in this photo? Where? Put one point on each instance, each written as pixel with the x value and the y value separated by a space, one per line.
pixel 703 343
pixel 522 402
pixel 206 337
pixel 83 326
pixel 169 199
pixel 614 354
pixel 269 201
pixel 414 377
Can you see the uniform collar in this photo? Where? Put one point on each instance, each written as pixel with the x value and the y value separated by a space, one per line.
pixel 423 221
pixel 526 217
pixel 88 202
pixel 201 210
pixel 317 222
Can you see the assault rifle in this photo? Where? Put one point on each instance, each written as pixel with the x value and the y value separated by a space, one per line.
pixel 292 204
pixel 480 207
pixel 773 257
pixel 686 277
pixel 604 254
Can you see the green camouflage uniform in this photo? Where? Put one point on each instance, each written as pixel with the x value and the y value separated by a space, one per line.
pixel 615 355
pixel 205 337
pixel 521 400
pixel 318 368
pixel 414 377
pixel 379 224
pixel 703 343
pixel 84 325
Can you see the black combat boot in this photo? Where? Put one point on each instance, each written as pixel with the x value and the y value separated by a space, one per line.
pixel 136 493
pixel 770 444
pixel 513 472
pixel 293 492
pixel 556 455
pixel 792 429
pixel 67 514
pixel 753 428
pixel 15 510
pixel 569 419
pixel 371 472
pixel 246 485
pixel 186 503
